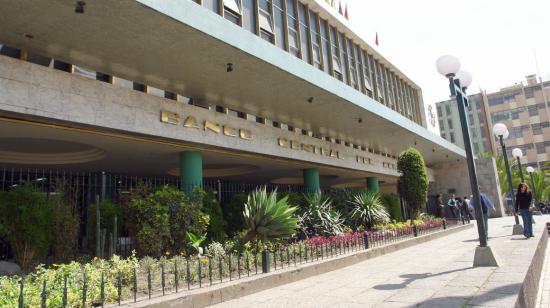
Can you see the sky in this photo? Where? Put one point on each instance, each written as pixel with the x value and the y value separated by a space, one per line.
pixel 496 41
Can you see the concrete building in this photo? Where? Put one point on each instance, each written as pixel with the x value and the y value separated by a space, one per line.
pixel 277 92
pixel 478 119
pixel 524 108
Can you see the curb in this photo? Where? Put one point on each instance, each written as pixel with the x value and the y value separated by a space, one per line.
pixel 239 288
pixel 527 296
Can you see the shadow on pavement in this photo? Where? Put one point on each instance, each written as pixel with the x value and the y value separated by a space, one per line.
pixel 490 238
pixel 412 277
pixel 488 298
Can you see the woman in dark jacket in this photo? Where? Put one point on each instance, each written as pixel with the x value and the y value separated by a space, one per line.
pixel 523 204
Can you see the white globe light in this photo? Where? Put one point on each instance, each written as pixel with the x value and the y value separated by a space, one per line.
pixel 447 65
pixel 530 169
pixel 517 153
pixel 506 134
pixel 465 78
pixel 499 129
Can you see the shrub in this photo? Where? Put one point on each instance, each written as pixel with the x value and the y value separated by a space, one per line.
pixel 233 214
pixel 319 218
pixel 107 212
pixel 268 218
pixel 211 207
pixel 413 182
pixel 391 202
pixel 368 209
pixel 164 218
pixel 27 224
pixel 65 223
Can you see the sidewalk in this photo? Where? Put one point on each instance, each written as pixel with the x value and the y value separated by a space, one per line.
pixel 438 273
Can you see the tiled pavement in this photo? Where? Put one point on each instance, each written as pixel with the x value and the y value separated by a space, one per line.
pixel 438 273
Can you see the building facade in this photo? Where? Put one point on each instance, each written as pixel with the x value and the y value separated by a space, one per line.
pixel 524 108
pixel 253 91
pixel 478 120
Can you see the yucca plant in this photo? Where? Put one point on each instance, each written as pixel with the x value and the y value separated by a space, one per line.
pixel 267 218
pixel 319 217
pixel 368 209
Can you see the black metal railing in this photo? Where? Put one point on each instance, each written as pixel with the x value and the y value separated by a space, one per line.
pixel 134 281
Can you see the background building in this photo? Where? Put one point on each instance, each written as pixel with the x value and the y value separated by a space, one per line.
pixel 480 127
pixel 525 111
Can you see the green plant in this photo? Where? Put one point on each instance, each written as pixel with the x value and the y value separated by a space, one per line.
pixel 368 209
pixel 268 218
pixel 108 210
pixel 65 222
pixel 27 224
pixel 319 218
pixel 213 209
pixel 391 202
pixel 195 241
pixel 541 186
pixel 413 182
pixel 233 214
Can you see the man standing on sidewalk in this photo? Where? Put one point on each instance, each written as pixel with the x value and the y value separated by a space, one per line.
pixel 486 205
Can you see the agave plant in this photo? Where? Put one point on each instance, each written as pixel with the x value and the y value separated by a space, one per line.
pixel 368 208
pixel 319 218
pixel 268 218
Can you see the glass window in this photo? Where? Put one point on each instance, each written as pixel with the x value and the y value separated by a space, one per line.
pixel 448 109
pixel 337 68
pixel 279 23
pixel 389 89
pixel 325 46
pixel 367 82
pixel 343 56
pixel 213 5
pixel 292 22
pixel 439 111
pixel 450 123
pixel 380 83
pixel 452 137
pixel 265 20
pixel 232 11
pixel 304 35
pixel 441 127
pixel 315 40
pixel 249 20
pixel 541 149
pixel 529 92
pixel 352 64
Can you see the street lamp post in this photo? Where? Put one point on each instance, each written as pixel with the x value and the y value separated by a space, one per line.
pixel 449 66
pixel 518 154
pixel 501 131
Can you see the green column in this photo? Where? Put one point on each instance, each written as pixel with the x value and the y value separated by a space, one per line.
pixel 372 184
pixel 190 170
pixel 311 180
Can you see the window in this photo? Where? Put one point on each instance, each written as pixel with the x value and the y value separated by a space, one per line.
pixel 450 123
pixel 249 18
pixel 452 135
pixel 325 46
pixel 213 5
pixel 529 92
pixel 352 64
pixel 343 56
pixel 232 11
pixel 336 67
pixel 448 109
pixel 279 23
pixel 315 40
pixel 367 84
pixel 537 127
pixel 441 125
pixel 304 35
pixel 541 149
pixel 265 20
pixel 292 22
pixel 533 111
pixel 380 83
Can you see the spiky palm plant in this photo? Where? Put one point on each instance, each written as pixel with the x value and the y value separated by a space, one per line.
pixel 267 218
pixel 319 217
pixel 541 186
pixel 368 208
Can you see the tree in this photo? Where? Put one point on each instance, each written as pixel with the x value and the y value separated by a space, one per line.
pixel 268 218
pixel 413 182
pixel 541 186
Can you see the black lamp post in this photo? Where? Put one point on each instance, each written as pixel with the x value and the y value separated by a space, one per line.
pixel 501 131
pixel 530 170
pixel 518 154
pixel 449 66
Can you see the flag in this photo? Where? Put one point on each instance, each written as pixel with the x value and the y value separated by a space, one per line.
pixel 346 12
pixel 376 39
pixel 340 7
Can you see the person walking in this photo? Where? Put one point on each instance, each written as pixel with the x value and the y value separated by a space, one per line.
pixel 452 206
pixel 486 206
pixel 523 207
pixel 440 207
pixel 467 208
pixel 460 207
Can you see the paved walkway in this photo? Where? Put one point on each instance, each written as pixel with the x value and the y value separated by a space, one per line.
pixel 438 273
pixel 543 300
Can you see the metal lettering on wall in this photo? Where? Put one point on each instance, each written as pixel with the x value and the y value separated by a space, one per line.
pixel 191 122
pixel 296 145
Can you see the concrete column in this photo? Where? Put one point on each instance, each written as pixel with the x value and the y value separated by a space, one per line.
pixel 190 170
pixel 372 184
pixel 311 180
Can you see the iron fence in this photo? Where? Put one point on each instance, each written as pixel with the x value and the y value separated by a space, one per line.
pixel 155 278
